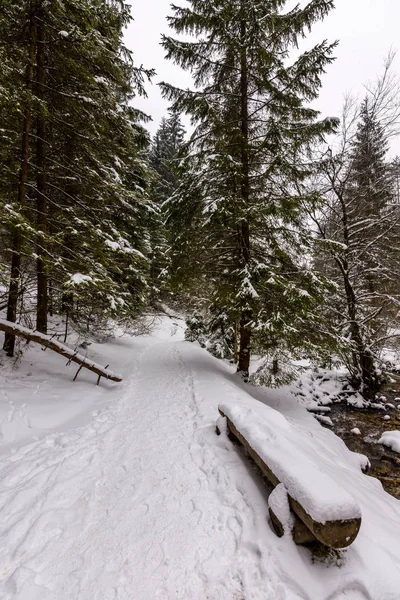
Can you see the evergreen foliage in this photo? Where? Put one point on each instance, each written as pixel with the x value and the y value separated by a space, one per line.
pixel 360 251
pixel 238 215
pixel 82 209
pixel 97 221
pixel 212 331
pixel 167 150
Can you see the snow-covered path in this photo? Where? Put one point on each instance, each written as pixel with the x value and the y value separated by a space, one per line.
pixel 123 508
pixel 145 502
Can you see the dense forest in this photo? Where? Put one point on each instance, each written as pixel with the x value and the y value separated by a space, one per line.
pixel 237 262
pixel 272 226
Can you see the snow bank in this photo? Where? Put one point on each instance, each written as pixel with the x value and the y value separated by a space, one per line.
pixel 269 434
pixel 127 492
pixel 319 388
pixel 39 397
pixel 391 439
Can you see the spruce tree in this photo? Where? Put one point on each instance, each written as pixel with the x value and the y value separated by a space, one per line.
pixel 18 48
pixel 369 169
pixel 86 204
pixel 244 196
pixel 167 152
pixel 370 195
pixel 359 229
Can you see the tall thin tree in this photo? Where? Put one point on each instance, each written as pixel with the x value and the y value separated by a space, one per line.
pixel 248 157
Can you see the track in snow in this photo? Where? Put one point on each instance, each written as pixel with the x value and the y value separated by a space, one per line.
pixel 145 502
pixel 137 505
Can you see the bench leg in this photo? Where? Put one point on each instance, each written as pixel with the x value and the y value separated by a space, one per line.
pixel 300 532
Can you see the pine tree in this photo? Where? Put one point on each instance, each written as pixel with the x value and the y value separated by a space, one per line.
pixel 17 54
pixel 243 194
pixel 359 230
pixel 369 167
pixel 167 152
pixel 86 199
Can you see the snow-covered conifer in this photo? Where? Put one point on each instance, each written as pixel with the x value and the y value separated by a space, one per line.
pixel 243 195
pixel 359 227
pixel 84 192
pixel 166 154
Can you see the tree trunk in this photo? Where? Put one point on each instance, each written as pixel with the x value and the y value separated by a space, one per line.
pixel 41 202
pixel 17 239
pixel 244 237
pixel 245 343
pixel 51 298
pixel 362 359
pixel 235 343
pixel 275 366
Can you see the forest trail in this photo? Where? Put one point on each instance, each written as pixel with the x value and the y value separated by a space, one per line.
pixel 145 502
pixel 125 507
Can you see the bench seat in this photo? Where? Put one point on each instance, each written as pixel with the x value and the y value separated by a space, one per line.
pixel 329 512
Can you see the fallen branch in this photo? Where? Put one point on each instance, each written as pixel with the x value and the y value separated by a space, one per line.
pixel 49 342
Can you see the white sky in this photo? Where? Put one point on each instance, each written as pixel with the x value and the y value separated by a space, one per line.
pixel 366 30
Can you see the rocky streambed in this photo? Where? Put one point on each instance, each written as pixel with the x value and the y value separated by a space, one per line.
pixel 384 415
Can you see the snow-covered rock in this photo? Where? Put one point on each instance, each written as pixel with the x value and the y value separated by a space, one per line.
pixel 391 439
pixel 324 420
pixel 356 431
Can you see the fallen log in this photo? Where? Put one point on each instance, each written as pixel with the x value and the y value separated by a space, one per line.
pixel 334 533
pixel 49 342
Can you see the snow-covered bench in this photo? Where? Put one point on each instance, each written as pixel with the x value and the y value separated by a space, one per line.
pixel 322 509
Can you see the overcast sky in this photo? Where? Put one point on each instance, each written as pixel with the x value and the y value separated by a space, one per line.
pixel 366 30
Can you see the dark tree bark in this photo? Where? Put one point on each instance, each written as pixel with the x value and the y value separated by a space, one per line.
pixel 244 237
pixel 41 201
pixel 17 239
pixel 363 361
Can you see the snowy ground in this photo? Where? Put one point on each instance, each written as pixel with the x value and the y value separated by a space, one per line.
pixel 124 492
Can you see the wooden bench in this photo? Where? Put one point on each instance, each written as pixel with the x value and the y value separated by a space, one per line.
pixel 304 482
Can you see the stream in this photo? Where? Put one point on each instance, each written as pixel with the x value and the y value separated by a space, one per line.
pixel 385 464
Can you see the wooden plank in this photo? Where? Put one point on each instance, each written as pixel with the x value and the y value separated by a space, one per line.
pixel 300 532
pixel 334 534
